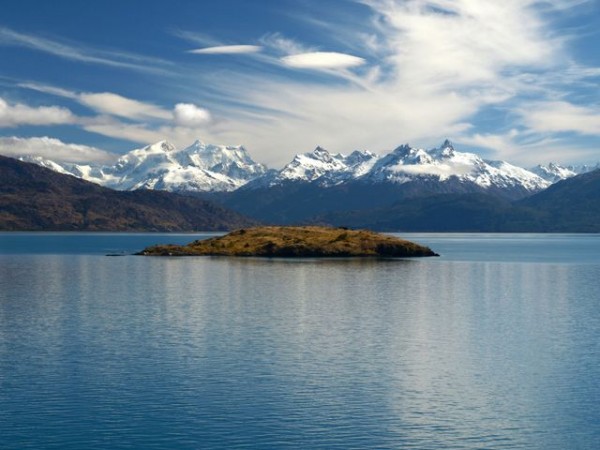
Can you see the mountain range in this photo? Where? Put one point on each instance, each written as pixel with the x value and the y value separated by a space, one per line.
pixel 36 198
pixel 218 168
pixel 408 188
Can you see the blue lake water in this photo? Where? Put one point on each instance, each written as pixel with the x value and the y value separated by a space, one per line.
pixel 496 344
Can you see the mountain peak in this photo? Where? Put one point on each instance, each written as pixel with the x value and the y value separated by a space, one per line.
pixel 554 172
pixel 402 150
pixel 446 150
pixel 447 144
pixel 403 147
pixel 197 168
pixel 163 145
pixel 321 154
pixel 198 143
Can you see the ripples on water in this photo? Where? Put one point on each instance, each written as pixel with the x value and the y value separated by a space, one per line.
pixel 456 352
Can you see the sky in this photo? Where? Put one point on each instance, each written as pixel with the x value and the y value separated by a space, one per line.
pixel 516 80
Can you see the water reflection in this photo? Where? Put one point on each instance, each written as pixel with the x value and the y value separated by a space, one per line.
pixel 156 352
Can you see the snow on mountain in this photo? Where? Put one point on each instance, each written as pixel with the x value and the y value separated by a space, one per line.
pixel 203 167
pixel 78 170
pixel 406 164
pixel 554 172
pixel 197 168
pixel 40 161
pixel 323 168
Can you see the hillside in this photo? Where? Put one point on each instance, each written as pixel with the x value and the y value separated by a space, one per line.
pixel 437 213
pixel 571 205
pixel 36 198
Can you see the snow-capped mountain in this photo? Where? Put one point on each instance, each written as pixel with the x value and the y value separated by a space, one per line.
pixel 214 168
pixel 407 164
pixel 321 168
pixel 198 168
pixel 554 172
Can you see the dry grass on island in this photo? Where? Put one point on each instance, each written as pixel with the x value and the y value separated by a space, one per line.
pixel 310 241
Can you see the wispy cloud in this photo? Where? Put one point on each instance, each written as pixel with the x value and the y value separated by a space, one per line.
pixel 227 50
pixel 53 149
pixel 561 116
pixel 530 149
pixel 117 105
pixel 284 45
pixel 145 122
pixel 82 53
pixel 17 114
pixel 143 133
pixel 134 132
pixel 432 67
pixel 106 102
pixel 195 37
pixel 415 70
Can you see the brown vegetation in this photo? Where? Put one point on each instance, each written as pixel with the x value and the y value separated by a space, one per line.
pixel 296 242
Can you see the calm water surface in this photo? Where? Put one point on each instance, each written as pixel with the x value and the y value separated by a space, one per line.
pixel 494 345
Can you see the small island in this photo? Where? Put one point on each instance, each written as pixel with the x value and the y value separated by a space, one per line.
pixel 295 241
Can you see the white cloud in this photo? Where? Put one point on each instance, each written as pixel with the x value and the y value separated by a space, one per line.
pixel 434 66
pixel 341 118
pixel 530 149
pixel 53 149
pixel 108 126
pixel 143 133
pixel 17 114
pixel 179 125
pixel 322 60
pixel 562 116
pixel 117 105
pixel 465 39
pixel 106 102
pixel 432 69
pixel 190 115
pixel 227 50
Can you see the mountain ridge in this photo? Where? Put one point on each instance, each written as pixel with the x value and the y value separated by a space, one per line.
pixel 321 184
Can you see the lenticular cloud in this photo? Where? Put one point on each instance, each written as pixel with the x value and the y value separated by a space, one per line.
pixel 322 60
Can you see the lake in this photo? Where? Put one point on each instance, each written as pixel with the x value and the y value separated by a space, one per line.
pixel 496 344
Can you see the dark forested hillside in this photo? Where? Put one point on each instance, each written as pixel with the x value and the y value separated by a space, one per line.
pixel 35 198
pixel 569 206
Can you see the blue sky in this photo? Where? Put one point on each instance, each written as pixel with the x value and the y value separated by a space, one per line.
pixel 516 80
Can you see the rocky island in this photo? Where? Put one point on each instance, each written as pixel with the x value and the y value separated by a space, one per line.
pixel 308 241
